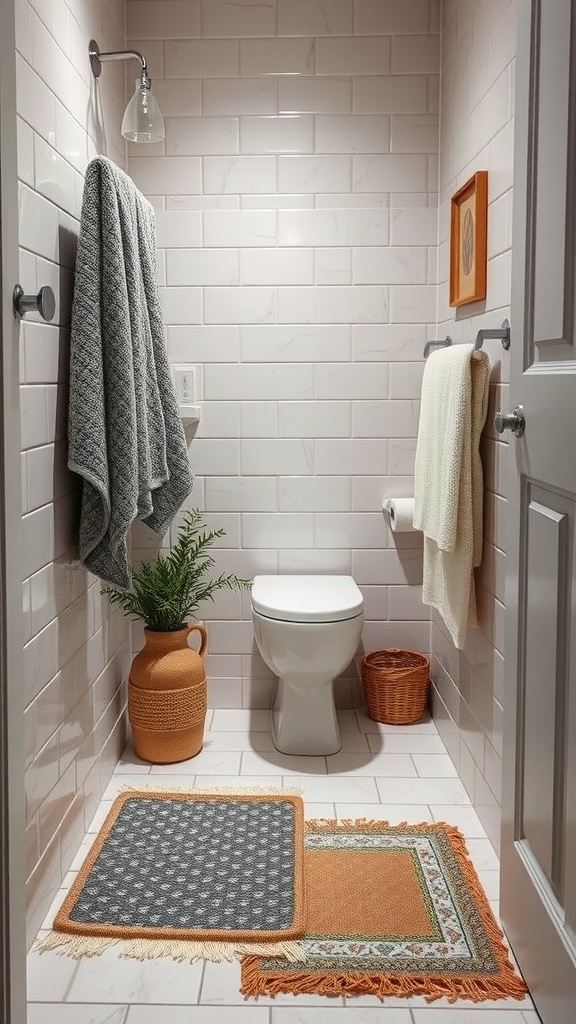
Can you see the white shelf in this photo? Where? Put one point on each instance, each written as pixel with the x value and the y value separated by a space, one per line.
pixel 190 412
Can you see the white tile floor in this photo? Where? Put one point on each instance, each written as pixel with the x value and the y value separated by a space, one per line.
pixel 396 773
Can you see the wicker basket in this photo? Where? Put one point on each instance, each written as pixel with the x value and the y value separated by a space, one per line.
pixel 395 684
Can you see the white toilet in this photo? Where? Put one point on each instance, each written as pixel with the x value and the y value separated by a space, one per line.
pixel 307 629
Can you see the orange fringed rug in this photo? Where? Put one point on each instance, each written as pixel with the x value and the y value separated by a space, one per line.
pixel 392 911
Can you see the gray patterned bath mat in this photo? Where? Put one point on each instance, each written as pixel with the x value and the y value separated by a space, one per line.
pixel 189 867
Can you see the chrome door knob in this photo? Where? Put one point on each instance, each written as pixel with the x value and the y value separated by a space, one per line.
pixel 43 303
pixel 513 421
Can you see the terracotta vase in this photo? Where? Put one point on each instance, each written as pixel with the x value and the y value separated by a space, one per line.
pixel 167 696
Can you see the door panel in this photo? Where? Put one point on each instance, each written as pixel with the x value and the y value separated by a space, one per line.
pixel 538 872
pixel 550 161
pixel 549 535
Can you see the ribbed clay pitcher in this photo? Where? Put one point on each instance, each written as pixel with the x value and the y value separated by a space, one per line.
pixel 167 696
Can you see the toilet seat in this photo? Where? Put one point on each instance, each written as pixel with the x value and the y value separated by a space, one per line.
pixel 307 598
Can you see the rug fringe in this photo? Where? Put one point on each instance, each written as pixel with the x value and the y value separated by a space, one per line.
pixel 216 790
pixel 253 790
pixel 78 946
pixel 376 825
pixel 474 988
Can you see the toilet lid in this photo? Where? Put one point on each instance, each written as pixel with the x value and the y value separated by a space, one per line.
pixel 307 598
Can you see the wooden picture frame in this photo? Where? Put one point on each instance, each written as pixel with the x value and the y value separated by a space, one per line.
pixel 468 230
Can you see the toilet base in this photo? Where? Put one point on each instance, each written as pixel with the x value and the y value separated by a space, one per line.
pixel 304 719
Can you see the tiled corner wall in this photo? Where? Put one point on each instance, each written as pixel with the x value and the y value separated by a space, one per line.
pixel 477 101
pixel 75 656
pixel 297 229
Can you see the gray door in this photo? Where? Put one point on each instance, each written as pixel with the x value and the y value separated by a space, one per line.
pixel 538 888
pixel 12 902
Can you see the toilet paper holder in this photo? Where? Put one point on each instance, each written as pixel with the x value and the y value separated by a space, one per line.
pixel 400 512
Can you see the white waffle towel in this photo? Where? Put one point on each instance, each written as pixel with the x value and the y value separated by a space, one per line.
pixel 448 482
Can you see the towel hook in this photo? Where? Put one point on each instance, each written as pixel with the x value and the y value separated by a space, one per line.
pixel 43 303
pixel 494 332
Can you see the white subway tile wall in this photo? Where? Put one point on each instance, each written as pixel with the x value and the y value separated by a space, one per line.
pixel 476 134
pixel 297 232
pixel 76 655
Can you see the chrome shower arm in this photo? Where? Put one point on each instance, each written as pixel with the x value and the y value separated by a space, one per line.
pixel 97 56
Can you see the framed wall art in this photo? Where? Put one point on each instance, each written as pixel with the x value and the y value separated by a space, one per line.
pixel 468 226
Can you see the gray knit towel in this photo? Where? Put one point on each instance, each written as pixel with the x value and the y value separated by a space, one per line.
pixel 125 435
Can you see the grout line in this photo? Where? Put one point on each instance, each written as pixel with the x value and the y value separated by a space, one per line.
pixel 69 985
pixel 201 985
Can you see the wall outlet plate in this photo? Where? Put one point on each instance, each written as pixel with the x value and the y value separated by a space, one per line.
pixel 185 383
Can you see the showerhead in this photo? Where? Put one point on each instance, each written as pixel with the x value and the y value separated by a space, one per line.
pixel 142 121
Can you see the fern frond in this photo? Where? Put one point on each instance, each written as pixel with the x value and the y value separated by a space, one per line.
pixel 168 590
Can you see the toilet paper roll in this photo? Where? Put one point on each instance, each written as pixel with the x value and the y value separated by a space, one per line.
pixel 401 512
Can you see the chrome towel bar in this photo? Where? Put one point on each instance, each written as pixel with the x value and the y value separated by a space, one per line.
pixel 431 345
pixel 487 333
pixel 494 332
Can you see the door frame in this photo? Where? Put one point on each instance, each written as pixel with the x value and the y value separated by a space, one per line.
pixel 12 822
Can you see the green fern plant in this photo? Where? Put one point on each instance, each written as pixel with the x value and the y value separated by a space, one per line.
pixel 166 591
